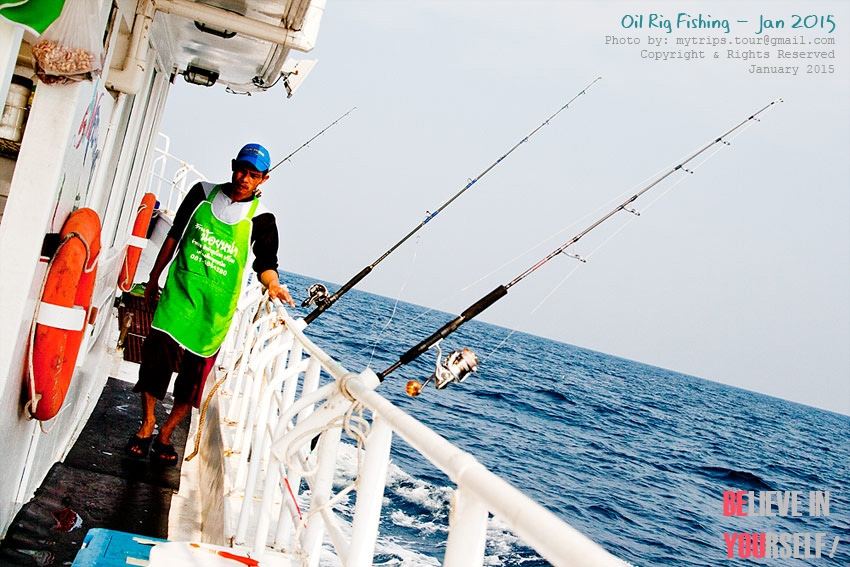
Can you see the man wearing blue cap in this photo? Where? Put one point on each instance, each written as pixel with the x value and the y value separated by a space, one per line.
pixel 214 229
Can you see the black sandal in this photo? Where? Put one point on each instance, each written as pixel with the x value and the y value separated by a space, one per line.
pixel 137 447
pixel 163 453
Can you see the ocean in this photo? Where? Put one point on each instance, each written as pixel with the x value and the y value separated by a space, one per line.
pixel 636 457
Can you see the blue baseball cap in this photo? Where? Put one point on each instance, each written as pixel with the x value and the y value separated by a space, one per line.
pixel 256 156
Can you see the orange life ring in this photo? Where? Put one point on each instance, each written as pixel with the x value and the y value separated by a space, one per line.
pixel 137 243
pixel 63 313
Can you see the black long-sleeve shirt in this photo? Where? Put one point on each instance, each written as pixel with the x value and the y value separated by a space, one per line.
pixel 264 237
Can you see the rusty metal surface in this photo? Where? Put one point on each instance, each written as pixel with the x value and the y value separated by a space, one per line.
pixel 139 328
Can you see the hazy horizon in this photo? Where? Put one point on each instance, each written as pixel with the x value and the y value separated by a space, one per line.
pixel 483 319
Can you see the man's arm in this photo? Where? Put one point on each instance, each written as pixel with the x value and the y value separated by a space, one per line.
pixel 276 291
pixel 193 198
pixel 166 252
pixel 265 244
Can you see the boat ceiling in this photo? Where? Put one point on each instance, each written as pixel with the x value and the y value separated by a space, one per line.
pixel 240 61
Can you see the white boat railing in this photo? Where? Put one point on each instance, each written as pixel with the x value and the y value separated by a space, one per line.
pixel 170 177
pixel 280 429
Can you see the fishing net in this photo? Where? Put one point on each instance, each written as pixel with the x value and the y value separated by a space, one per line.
pixel 71 49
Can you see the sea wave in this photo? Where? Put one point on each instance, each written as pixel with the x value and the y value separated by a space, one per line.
pixel 739 479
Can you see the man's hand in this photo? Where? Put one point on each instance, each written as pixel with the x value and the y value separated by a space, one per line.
pixel 162 260
pixel 152 291
pixel 277 291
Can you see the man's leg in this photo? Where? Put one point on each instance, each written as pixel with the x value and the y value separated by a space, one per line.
pixel 138 444
pixel 148 416
pixel 158 355
pixel 187 394
pixel 177 415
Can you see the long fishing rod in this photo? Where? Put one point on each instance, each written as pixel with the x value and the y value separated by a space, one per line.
pixel 319 133
pixel 318 293
pixel 457 365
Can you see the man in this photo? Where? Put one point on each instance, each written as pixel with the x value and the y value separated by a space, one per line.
pixel 213 229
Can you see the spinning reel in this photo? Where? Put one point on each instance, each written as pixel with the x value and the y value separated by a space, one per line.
pixel 317 294
pixel 455 367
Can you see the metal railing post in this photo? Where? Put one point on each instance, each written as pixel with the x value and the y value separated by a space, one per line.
pixel 238 412
pixel 467 530
pixel 370 494
pixel 262 438
pixel 288 510
pixel 311 382
pixel 321 487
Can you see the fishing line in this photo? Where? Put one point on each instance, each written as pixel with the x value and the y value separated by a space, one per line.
pixel 588 256
pixel 395 304
pixel 318 293
pixel 459 364
pixel 533 311
pixel 305 144
pixel 713 152
pixel 414 318
pixel 633 217
pixel 624 206
pixel 541 243
pixel 587 215
pixel 498 346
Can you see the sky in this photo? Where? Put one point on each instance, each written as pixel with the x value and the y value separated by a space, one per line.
pixel 738 273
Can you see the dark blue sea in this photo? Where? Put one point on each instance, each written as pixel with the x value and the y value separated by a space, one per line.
pixel 634 456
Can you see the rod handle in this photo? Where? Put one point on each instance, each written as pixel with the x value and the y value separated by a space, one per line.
pixel 446 329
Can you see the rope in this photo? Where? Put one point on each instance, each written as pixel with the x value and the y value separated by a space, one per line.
pixel 357 427
pixel 202 420
pixel 47 430
pixel 358 433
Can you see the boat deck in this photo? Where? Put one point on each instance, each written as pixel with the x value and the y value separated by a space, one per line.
pixel 96 486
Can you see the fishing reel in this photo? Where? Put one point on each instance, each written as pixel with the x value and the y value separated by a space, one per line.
pixel 455 367
pixel 317 294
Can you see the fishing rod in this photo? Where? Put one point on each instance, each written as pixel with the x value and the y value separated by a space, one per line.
pixel 318 293
pixel 460 363
pixel 305 144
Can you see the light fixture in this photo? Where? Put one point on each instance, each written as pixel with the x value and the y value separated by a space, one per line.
pixel 200 76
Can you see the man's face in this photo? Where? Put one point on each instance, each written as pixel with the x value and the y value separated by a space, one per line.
pixel 246 179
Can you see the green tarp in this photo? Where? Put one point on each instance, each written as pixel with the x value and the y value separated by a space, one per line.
pixel 35 15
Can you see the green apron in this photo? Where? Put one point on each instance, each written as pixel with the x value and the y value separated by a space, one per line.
pixel 205 280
